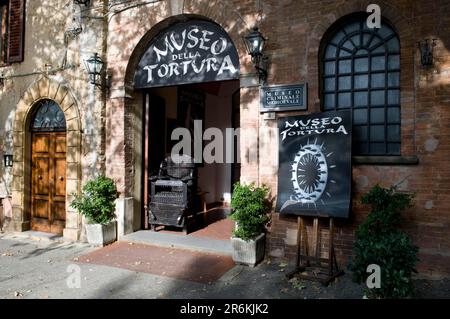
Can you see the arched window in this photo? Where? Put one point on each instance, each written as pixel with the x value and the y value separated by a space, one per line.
pixel 48 117
pixel 360 70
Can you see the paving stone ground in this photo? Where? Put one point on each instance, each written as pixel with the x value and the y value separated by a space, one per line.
pixel 43 269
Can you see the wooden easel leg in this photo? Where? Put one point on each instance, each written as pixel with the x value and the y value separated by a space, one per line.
pixel 304 241
pixel 331 270
pixel 316 237
pixel 298 267
pixel 331 246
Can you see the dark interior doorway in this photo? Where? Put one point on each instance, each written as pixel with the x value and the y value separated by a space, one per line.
pixel 217 104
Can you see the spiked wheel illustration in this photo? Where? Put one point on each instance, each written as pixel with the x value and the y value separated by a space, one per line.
pixel 310 173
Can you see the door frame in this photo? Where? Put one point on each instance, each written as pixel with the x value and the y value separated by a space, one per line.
pixel 45 88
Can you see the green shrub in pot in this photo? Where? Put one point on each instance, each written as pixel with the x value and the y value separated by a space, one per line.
pixel 97 203
pixel 250 212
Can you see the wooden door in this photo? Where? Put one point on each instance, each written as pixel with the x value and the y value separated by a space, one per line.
pixel 154 144
pixel 48 182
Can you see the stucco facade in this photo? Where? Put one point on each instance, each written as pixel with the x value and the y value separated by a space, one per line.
pixel 104 131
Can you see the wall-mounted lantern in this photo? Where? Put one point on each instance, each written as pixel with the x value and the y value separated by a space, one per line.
pixel 255 42
pixel 80 2
pixel 7 160
pixel 94 67
pixel 426 51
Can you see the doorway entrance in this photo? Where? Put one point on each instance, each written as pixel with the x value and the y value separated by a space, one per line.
pixel 48 168
pixel 216 105
pixel 188 74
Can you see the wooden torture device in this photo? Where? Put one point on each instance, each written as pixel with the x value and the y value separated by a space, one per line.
pixel 314 267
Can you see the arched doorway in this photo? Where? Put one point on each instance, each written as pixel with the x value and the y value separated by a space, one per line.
pixel 48 167
pixel 188 73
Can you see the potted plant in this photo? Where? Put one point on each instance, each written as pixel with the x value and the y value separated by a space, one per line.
pixel 250 212
pixel 380 242
pixel 96 203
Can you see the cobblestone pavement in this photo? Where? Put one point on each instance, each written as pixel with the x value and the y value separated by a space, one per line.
pixel 43 269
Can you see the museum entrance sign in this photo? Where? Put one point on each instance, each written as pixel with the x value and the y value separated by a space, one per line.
pixel 194 51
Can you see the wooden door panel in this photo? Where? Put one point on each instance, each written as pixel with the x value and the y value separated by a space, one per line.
pixel 40 224
pixel 48 189
pixel 57 227
pixel 60 144
pixel 60 177
pixel 41 172
pixel 59 211
pixel 41 143
pixel 40 208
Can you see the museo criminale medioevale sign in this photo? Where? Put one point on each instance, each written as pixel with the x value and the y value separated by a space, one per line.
pixel 188 52
pixel 314 175
pixel 283 98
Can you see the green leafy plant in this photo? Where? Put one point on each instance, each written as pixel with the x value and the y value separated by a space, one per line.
pixel 250 210
pixel 380 242
pixel 96 201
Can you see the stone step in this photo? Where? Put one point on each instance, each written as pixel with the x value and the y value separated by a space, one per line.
pixel 221 247
pixel 34 235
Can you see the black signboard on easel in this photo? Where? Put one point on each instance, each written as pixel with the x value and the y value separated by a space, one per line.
pixel 314 175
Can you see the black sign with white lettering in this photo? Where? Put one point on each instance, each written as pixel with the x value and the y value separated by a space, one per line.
pixel 283 98
pixel 315 171
pixel 188 52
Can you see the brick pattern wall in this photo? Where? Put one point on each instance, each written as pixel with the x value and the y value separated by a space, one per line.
pixel 294 29
pixel 425 95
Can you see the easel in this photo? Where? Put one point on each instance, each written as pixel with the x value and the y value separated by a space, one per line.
pixel 326 274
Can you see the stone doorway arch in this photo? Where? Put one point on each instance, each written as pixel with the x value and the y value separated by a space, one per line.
pixel 45 88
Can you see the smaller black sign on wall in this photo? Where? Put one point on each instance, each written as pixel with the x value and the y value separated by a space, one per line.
pixel 283 98
pixel 315 171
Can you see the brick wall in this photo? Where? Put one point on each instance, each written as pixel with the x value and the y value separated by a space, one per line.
pixel 294 29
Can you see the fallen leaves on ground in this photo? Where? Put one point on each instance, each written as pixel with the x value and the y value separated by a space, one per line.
pixel 297 284
pixel 284 290
pixel 282 267
pixel 18 294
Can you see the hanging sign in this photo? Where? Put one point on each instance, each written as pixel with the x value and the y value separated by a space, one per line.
pixel 314 175
pixel 283 98
pixel 188 52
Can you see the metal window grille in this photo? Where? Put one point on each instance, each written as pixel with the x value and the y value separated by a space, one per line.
pixel 360 70
pixel 48 117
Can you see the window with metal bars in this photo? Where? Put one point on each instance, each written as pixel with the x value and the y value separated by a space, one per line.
pixel 360 70
pixel 48 117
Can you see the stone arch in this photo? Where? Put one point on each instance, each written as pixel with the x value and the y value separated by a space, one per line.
pixel 124 151
pixel 45 88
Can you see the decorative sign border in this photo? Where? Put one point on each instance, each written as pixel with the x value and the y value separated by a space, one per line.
pixel 292 97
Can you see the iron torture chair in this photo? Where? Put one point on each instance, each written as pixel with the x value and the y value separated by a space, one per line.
pixel 173 192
